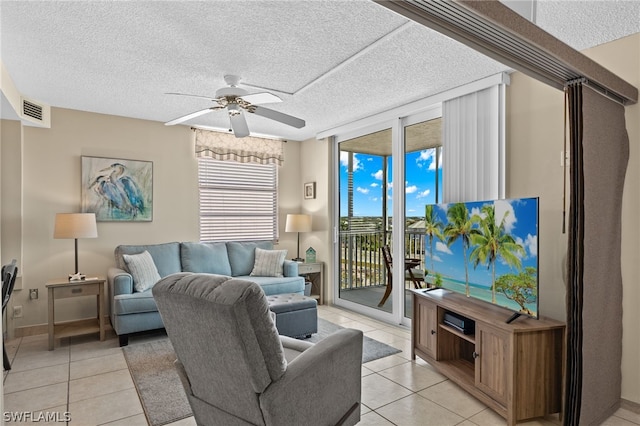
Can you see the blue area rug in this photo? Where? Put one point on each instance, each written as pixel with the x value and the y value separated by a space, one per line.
pixel 371 348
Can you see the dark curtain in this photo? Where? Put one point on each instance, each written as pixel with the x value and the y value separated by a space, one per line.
pixel 599 155
pixel 574 259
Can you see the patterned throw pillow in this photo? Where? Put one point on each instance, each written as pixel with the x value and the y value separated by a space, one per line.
pixel 143 269
pixel 269 263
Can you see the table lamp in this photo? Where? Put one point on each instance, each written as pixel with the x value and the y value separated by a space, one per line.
pixel 298 223
pixel 75 225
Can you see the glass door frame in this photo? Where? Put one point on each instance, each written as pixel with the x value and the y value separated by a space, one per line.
pixel 397 127
pixel 335 219
pixel 398 247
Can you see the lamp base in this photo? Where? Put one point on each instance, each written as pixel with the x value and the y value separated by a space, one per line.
pixel 77 277
pixel 298 259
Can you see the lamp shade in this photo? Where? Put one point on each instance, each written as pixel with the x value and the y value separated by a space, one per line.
pixel 75 225
pixel 298 223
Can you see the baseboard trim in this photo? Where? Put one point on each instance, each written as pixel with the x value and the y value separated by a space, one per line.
pixel 631 406
pixel 30 330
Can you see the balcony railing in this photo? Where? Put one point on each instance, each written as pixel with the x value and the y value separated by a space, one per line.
pixel 361 262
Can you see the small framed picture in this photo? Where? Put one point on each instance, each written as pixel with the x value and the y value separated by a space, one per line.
pixel 310 190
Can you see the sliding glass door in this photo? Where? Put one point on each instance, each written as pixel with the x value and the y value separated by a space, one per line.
pixel 423 186
pixel 386 172
pixel 365 204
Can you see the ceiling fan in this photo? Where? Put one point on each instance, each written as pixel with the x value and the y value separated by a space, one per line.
pixel 237 102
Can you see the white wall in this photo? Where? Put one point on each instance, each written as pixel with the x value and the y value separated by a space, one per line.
pixel 314 158
pixel 289 196
pixel 11 206
pixel 534 143
pixel 51 184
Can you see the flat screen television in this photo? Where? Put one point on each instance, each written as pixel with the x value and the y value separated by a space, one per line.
pixel 487 250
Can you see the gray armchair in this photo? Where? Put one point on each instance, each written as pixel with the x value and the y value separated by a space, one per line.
pixel 235 368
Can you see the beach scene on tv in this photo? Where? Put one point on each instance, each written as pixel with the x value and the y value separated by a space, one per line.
pixel 487 250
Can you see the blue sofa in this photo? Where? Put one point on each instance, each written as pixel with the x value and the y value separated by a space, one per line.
pixel 133 311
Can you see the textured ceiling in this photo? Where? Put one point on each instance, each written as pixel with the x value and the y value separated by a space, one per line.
pixel 331 62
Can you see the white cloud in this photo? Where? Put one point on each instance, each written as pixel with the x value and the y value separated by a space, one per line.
pixel 344 160
pixel 410 189
pixel 476 211
pixel 424 193
pixel 374 185
pixel 428 156
pixel 424 157
pixel 442 248
pixel 502 207
pixel 531 245
pixel 362 190
pixel 377 175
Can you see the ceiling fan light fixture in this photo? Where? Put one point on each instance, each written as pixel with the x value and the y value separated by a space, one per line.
pixel 233 109
pixel 236 100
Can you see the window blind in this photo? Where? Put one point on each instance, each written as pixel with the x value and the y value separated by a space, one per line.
pixel 473 144
pixel 238 201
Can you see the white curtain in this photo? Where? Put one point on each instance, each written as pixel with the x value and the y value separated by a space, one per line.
pixel 473 133
pixel 223 146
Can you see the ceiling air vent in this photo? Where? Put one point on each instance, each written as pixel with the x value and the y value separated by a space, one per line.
pixel 32 110
pixel 35 113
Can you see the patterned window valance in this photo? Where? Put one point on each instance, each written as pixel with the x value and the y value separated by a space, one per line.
pixel 223 146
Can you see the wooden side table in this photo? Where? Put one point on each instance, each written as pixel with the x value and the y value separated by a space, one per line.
pixel 62 289
pixel 314 272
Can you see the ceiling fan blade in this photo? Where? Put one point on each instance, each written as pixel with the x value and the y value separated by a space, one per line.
pixel 189 116
pixel 261 98
pixel 289 120
pixel 239 125
pixel 211 98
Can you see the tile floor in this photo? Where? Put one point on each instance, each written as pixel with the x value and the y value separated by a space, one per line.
pixel 90 380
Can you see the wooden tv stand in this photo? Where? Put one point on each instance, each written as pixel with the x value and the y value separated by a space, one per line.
pixel 516 369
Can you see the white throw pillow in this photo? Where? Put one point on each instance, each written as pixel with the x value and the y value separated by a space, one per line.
pixel 269 263
pixel 143 269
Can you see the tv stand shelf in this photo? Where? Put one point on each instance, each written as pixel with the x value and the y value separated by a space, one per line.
pixel 515 368
pixel 468 337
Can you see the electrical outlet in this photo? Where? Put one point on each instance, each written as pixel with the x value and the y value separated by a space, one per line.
pixel 33 293
pixel 17 311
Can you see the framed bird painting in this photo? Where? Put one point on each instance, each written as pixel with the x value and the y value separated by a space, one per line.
pixel 117 190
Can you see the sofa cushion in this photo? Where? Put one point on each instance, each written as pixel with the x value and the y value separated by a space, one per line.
pixel 269 263
pixel 207 258
pixel 134 303
pixel 242 255
pixel 166 256
pixel 143 270
pixel 274 285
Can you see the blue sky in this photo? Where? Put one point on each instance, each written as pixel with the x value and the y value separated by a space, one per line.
pixel 367 183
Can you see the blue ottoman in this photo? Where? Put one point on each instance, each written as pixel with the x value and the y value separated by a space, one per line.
pixel 296 315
